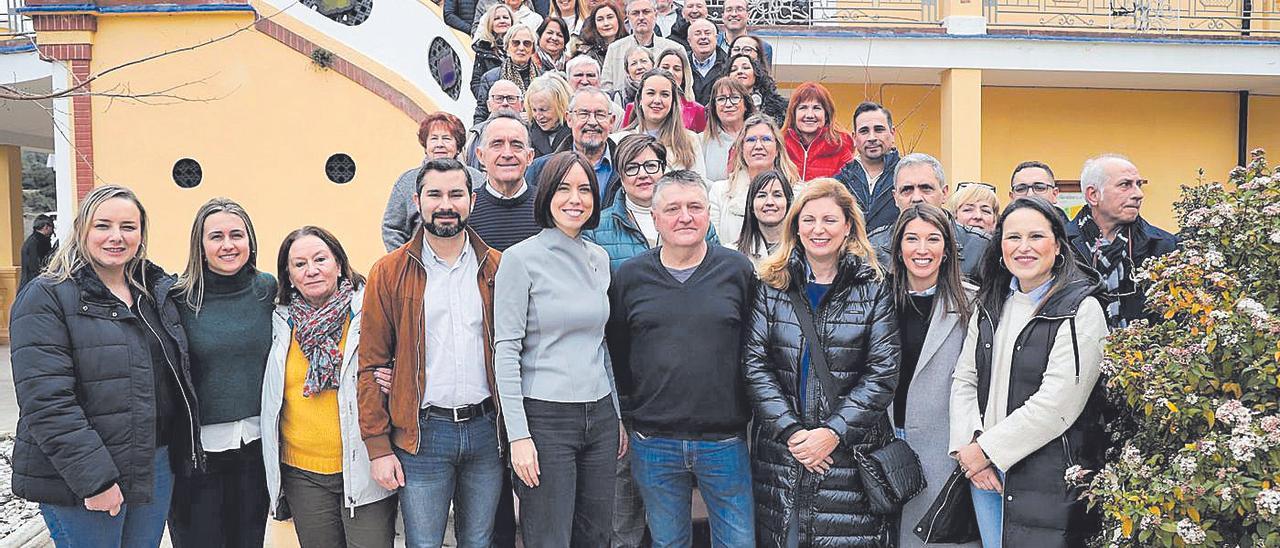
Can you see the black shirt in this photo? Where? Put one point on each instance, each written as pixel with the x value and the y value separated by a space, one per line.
pixel 164 360
pixel 913 325
pixel 677 347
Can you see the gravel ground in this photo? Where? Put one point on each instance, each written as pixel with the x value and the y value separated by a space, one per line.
pixel 13 510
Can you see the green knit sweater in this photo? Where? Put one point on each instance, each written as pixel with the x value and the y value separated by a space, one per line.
pixel 229 341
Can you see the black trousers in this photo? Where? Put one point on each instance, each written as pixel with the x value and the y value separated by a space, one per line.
pixel 504 523
pixel 225 507
pixel 572 506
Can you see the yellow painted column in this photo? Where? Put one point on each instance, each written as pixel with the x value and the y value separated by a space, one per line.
pixel 962 124
pixel 10 231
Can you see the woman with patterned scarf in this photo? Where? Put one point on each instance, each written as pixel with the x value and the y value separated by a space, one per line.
pixel 518 66
pixel 310 378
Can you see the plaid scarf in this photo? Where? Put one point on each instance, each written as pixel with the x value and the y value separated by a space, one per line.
pixel 318 331
pixel 1112 259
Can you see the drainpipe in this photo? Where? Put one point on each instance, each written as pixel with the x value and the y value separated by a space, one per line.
pixel 1242 124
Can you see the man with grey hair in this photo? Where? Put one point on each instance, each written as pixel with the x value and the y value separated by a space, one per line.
pixel 1110 234
pixel 504 95
pixel 675 332
pixel 918 179
pixel 503 211
pixel 706 64
pixel 590 120
pixel 641 15
pixel 584 71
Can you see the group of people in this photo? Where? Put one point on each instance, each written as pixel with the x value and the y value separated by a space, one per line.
pixel 640 275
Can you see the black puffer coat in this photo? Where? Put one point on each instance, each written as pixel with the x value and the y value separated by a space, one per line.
pixel 84 377
pixel 857 324
pixel 488 57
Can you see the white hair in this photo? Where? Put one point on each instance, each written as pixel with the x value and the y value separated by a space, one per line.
pixel 584 91
pixel 920 158
pixel 1094 174
pixel 582 60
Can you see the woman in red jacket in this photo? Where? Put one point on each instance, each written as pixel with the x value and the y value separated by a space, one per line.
pixel 814 143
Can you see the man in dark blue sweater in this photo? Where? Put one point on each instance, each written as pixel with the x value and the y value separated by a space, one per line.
pixel 676 329
pixel 503 214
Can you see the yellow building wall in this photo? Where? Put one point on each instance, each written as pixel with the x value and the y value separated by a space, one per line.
pixel 264 124
pixel 1264 126
pixel 1170 135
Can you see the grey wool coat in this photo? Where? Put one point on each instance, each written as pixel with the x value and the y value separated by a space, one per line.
pixel 927 421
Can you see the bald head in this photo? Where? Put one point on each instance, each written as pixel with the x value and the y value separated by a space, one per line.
pixel 504 94
pixel 702 38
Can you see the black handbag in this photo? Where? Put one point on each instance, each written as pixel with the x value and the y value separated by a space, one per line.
pixel 892 474
pixel 951 518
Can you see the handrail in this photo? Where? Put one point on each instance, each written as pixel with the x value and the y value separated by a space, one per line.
pixel 12 22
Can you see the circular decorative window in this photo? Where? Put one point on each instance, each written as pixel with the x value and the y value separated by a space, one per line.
pixel 187 173
pixel 340 168
pixel 347 12
pixel 446 67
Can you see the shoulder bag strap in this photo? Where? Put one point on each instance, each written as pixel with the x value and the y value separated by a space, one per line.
pixel 817 357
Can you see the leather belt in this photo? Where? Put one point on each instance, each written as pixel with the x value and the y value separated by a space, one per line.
pixel 459 414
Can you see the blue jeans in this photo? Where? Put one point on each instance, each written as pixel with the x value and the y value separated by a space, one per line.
pixel 457 462
pixel 137 525
pixel 665 469
pixel 989 507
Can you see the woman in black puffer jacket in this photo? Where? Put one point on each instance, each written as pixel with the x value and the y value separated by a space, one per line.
pixel 807 489
pixel 107 409
pixel 488 44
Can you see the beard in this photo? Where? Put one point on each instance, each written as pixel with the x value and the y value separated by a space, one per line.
pixel 446 231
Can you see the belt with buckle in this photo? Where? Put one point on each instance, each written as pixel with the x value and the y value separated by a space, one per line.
pixel 460 414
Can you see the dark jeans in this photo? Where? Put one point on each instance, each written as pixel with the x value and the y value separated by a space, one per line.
pixel 577 447
pixel 458 463
pixel 224 507
pixel 665 471
pixel 504 522
pixel 137 524
pixel 323 521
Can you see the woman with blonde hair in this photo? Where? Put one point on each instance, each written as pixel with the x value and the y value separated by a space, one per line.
pixel 820 395
pixel 547 103
pixel 226 304
pixel 758 149
pixel 572 12
pixel 692 114
pixel 489 41
pixel 106 406
pixel 975 205
pixel 658 116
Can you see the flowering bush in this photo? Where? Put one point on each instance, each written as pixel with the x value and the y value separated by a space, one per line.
pixel 1200 464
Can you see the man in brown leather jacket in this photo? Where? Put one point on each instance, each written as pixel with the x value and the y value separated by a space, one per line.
pixel 428 321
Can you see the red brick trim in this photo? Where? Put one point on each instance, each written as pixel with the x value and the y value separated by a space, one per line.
pixel 82 124
pixel 66 52
pixel 66 21
pixel 340 65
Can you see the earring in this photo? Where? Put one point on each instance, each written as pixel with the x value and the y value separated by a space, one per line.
pixel 1058 261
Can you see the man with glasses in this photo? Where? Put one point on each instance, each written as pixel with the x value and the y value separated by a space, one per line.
pixel 918 179
pixel 704 59
pixel 590 121
pixel 735 17
pixel 641 16
pixel 869 176
pixel 1111 235
pixel 1034 178
pixel 503 95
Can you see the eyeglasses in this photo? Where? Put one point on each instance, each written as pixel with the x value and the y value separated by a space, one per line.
pixel 521 43
pixel 744 49
pixel 1038 188
pixel 591 114
pixel 987 186
pixel 505 99
pixel 728 100
pixel 753 140
pixel 735 9
pixel 652 167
